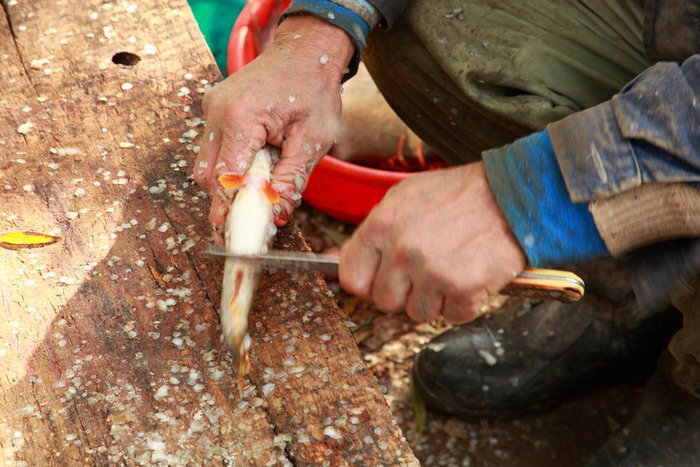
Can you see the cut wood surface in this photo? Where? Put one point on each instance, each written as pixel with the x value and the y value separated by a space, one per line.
pixel 110 348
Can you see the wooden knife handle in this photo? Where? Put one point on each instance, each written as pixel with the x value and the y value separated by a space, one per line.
pixel 546 284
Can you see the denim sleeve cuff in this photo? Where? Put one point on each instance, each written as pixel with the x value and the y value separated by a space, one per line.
pixel 339 16
pixel 529 188
pixel 363 9
pixel 583 143
pixel 649 132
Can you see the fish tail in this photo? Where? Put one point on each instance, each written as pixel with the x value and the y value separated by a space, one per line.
pixel 243 370
pixel 240 359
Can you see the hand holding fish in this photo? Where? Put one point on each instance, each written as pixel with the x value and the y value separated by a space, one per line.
pixel 437 244
pixel 271 101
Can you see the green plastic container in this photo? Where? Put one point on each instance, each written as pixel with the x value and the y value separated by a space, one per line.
pixel 215 19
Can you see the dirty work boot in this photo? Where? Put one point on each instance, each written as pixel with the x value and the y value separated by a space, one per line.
pixel 665 430
pixel 524 360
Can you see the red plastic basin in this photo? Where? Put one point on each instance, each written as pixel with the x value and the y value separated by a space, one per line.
pixel 340 189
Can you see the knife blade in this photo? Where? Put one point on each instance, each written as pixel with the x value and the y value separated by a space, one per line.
pixel 536 283
pixel 293 261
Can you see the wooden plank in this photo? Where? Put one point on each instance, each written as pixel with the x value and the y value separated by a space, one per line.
pixel 320 393
pixel 109 339
pixel 110 343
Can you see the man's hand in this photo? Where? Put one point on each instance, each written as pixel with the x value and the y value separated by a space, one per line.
pixel 437 244
pixel 289 96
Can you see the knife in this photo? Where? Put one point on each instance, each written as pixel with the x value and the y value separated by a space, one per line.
pixel 544 284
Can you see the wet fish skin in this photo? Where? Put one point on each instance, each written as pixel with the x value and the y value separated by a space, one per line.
pixel 250 229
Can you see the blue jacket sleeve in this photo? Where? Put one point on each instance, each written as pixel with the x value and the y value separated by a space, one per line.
pixel 339 16
pixel 649 132
pixel 528 186
pixel 356 17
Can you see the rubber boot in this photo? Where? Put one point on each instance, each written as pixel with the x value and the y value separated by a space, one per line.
pixel 526 360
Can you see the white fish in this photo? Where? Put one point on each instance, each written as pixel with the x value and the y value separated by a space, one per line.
pixel 249 230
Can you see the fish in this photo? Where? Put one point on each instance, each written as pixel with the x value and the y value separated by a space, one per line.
pixel 249 230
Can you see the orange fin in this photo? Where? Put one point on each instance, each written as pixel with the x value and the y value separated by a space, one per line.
pixel 270 193
pixel 232 180
pixel 243 368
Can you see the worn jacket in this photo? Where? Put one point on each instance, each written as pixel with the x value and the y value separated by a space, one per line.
pixel 635 159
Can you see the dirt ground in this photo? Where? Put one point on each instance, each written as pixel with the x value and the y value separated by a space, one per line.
pixel 563 436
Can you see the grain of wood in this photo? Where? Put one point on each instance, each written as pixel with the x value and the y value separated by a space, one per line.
pixel 109 339
pixel 304 352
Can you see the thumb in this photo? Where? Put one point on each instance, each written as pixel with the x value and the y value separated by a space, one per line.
pixel 360 257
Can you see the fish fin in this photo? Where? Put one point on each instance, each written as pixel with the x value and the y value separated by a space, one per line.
pixel 232 180
pixel 241 383
pixel 243 371
pixel 270 193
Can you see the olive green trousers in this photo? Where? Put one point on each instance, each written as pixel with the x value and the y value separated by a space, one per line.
pixel 472 75
pixel 479 76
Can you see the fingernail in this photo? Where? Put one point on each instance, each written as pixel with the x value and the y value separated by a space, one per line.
pixel 280 220
pixel 280 215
